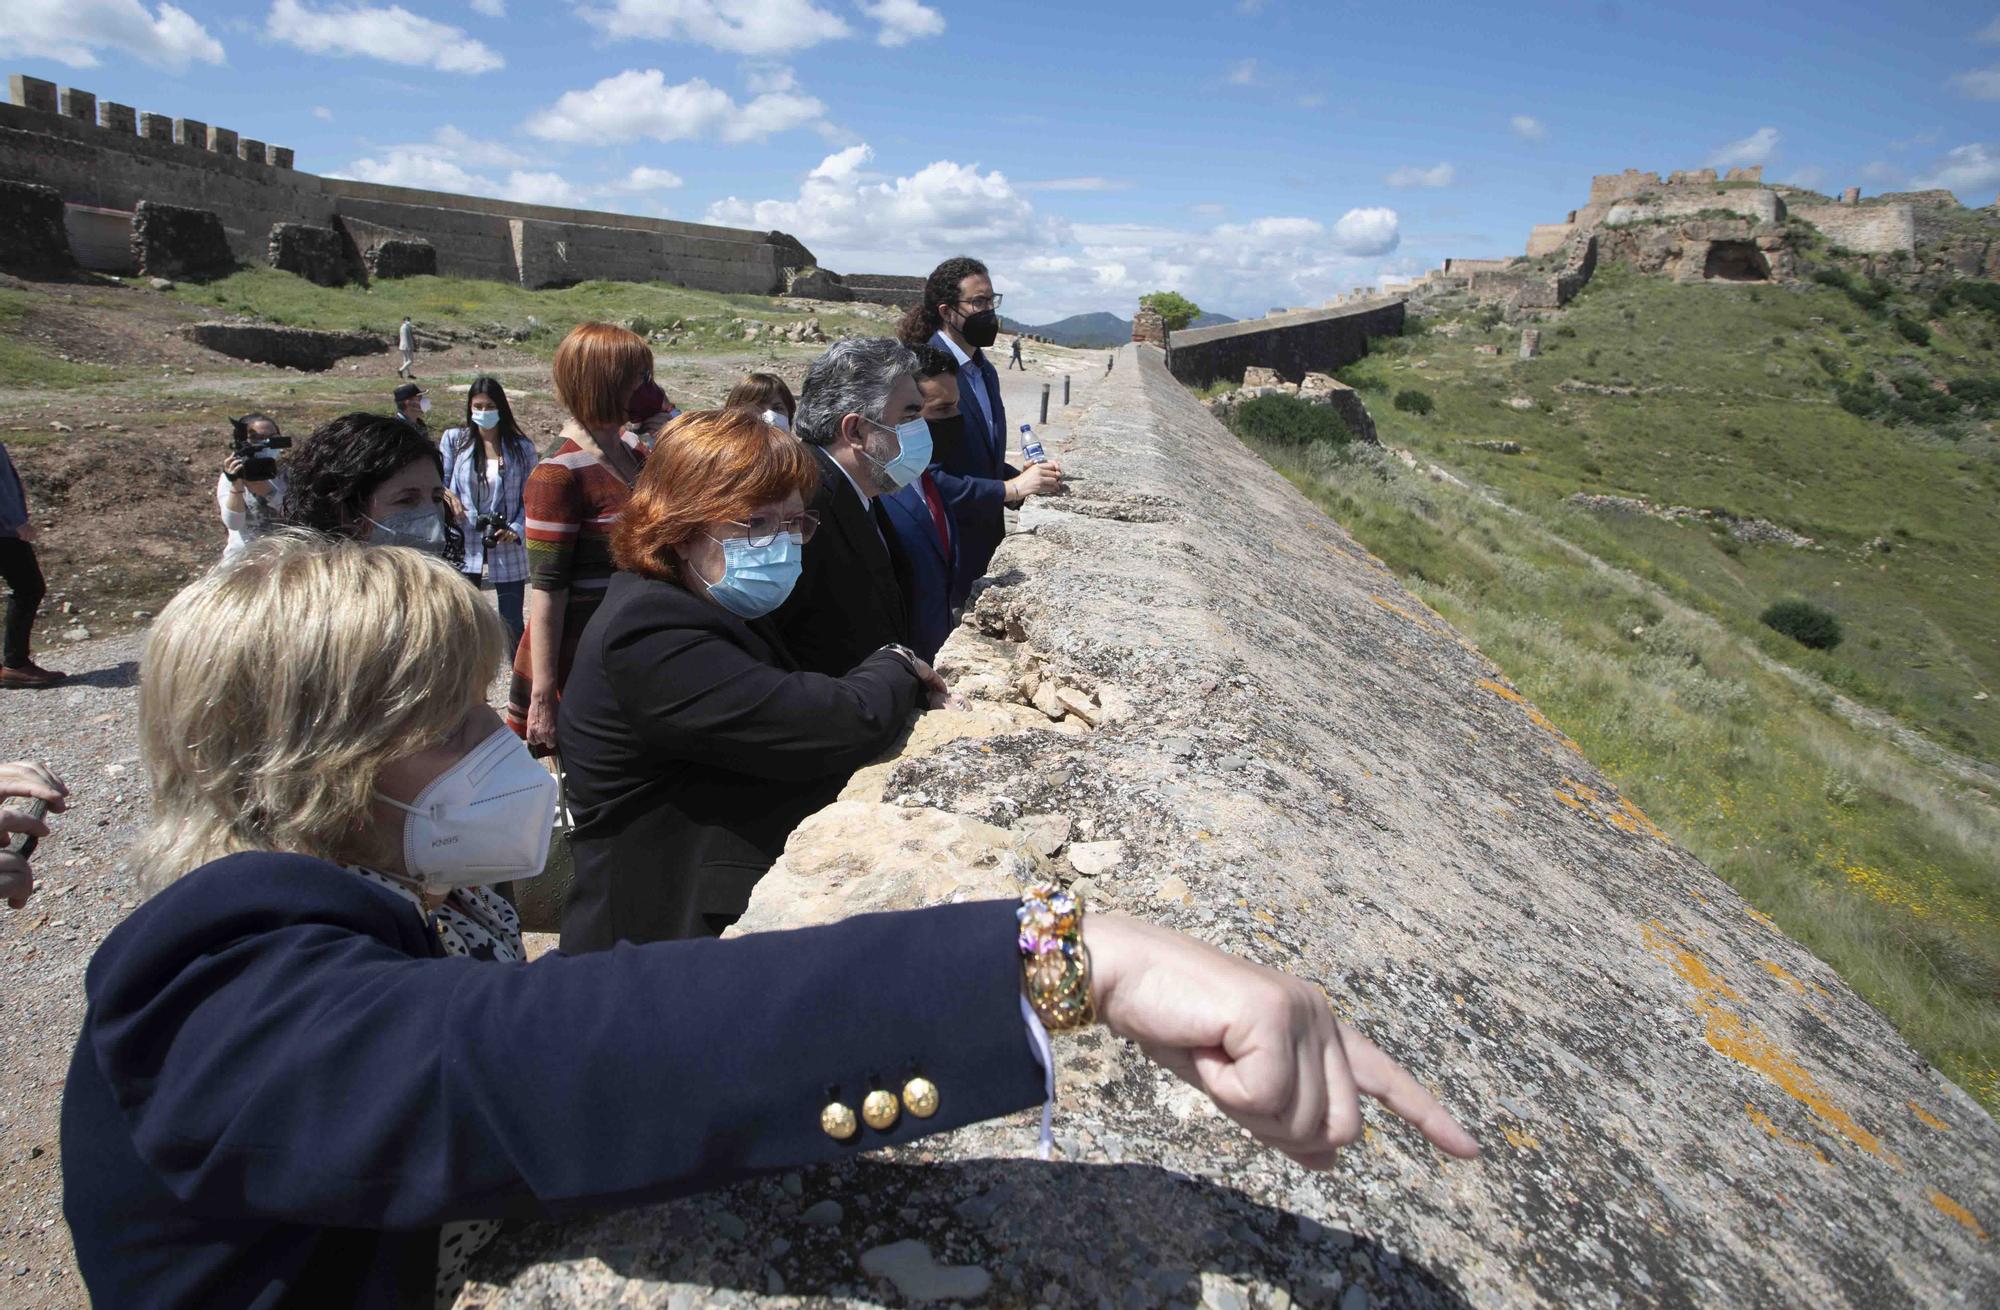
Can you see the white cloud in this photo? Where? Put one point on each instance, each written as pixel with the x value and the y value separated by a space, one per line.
pixel 903 21
pixel 632 105
pixel 1311 100
pixel 1367 232
pixel 1531 128
pixel 322 113
pixel 393 34
pixel 1980 84
pixel 1242 73
pixel 464 147
pixel 1989 34
pixel 72 31
pixel 490 8
pixel 1972 170
pixel 642 180
pixel 1881 172
pixel 741 27
pixel 1411 176
pixel 1075 184
pixel 1810 177
pixel 544 189
pixel 1757 148
pixel 444 163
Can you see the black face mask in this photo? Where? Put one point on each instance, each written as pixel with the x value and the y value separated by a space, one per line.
pixel 980 330
pixel 947 440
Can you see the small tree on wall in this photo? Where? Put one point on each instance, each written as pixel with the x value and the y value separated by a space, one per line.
pixel 1175 308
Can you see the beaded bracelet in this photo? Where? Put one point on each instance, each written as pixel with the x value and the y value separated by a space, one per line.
pixel 1055 964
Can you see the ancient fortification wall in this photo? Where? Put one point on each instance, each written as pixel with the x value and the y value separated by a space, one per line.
pixel 108 158
pixel 1192 690
pixel 1315 341
pixel 1871 229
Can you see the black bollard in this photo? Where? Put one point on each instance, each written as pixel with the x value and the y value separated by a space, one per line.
pixel 1110 362
pixel 1045 404
pixel 1065 389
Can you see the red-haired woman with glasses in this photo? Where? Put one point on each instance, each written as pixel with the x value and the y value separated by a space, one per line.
pixel 691 743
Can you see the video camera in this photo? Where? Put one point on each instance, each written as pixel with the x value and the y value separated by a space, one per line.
pixel 259 464
pixel 489 527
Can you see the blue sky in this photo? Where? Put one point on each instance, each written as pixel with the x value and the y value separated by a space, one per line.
pixel 1251 154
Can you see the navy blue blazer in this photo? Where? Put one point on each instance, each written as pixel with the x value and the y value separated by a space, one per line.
pixel 283 1087
pixel 973 479
pixel 924 566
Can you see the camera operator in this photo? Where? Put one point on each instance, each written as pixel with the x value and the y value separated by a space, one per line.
pixel 251 487
pixel 486 467
pixel 24 778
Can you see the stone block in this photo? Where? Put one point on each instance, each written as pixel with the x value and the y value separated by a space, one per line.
pixel 1531 342
pixel 32 234
pixel 191 132
pixel 317 254
pixel 176 242
pixel 32 93
pixel 222 140
pixel 281 157
pixel 250 150
pixel 1149 326
pixel 80 105
pixel 402 257
pixel 114 117
pixel 156 127
pixel 1851 196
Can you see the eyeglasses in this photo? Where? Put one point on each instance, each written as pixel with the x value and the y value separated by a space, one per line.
pixel 764 528
pixel 984 303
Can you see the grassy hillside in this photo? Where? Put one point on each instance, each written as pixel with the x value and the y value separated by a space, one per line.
pixel 1657 665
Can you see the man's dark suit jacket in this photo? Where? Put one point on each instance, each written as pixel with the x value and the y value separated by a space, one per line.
pixel 923 565
pixel 283 1087
pixel 973 480
pixel 691 747
pixel 847 604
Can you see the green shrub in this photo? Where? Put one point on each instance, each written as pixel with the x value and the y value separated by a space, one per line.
pixel 1912 331
pixel 1565 331
pixel 1287 420
pixel 1804 622
pixel 1412 401
pixel 1983 297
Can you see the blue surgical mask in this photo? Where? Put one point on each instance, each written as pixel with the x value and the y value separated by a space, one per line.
pixel 486 418
pixel 913 453
pixel 420 528
pixel 756 579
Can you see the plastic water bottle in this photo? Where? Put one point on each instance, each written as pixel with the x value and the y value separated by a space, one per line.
pixel 1031 445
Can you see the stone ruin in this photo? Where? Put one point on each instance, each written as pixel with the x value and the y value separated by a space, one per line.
pixel 317 254
pixel 171 241
pixel 1196 698
pixel 32 236
pixel 1149 326
pixel 402 257
pixel 1314 388
pixel 307 349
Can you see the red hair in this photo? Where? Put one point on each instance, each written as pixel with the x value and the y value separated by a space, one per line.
pixel 596 367
pixel 706 467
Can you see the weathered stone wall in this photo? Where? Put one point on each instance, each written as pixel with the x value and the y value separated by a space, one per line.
pixel 885 288
pixel 1873 229
pixel 1317 341
pixel 1606 188
pixel 317 254
pixel 174 241
pixel 402 257
pixel 307 349
pixel 32 235
pixel 1249 731
pixel 1761 206
pixel 1457 266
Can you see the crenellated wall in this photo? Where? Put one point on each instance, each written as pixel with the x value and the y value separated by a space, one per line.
pixel 1315 341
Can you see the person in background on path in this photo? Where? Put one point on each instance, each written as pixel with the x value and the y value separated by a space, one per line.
pixel 411 406
pixel 313 1068
pixel 765 395
pixel 406 342
pixel 960 314
pixel 250 505
pixel 375 480
pixel 1014 355
pixel 486 466
pixel 573 500
pixel 22 573
pixel 861 416
pixel 922 543
pixel 35 781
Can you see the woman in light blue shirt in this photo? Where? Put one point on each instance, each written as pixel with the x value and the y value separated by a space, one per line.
pixel 486 465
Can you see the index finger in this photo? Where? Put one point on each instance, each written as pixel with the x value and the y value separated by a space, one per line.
pixel 12 820
pixel 1389 1083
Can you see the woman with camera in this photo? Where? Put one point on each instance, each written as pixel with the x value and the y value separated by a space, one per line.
pixel 252 486
pixel 307 1065
pixel 486 465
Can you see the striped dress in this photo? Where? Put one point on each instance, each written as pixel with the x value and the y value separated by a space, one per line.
pixel 572 503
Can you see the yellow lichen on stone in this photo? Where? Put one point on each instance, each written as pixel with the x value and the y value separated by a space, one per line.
pixel 1956 1211
pixel 1783 975
pixel 1762 918
pixel 1926 1117
pixel 1730 1034
pixel 1763 1121
pixel 1520 1140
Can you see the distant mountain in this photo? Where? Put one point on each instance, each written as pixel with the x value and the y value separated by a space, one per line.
pixel 1095 330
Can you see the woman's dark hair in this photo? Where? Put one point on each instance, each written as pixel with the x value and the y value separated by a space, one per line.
pixel 921 321
pixel 514 443
pixel 758 392
pixel 333 472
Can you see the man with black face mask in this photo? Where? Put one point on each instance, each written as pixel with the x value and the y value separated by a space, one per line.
pixel 960 315
pixel 923 543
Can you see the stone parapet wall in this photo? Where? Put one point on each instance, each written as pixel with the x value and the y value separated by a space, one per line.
pixel 1873 229
pixel 886 288
pixel 1760 205
pixel 1315 341
pixel 1545 238
pixel 1253 734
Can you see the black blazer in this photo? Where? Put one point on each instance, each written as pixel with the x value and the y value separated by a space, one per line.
pixel 283 1087
pixel 848 603
pixel 691 747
